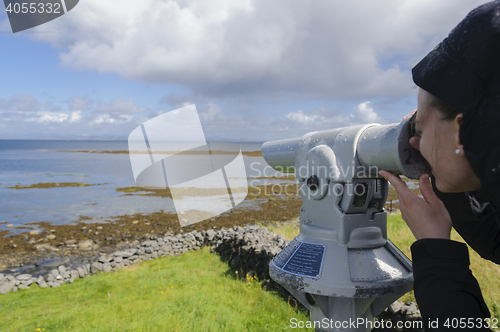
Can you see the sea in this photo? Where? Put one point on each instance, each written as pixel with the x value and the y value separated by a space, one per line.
pixel 29 162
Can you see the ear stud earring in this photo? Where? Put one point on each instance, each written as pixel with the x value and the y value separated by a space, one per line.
pixel 457 151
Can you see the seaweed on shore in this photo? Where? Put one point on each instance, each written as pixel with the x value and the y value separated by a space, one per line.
pixel 48 185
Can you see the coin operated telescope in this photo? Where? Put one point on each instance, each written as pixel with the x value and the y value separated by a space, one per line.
pixel 342 267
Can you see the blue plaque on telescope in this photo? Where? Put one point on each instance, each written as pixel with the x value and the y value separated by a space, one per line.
pixel 307 260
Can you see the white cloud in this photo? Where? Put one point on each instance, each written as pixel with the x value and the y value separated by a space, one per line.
pixel 300 117
pixel 48 117
pixel 103 119
pixel 364 113
pixel 75 116
pixel 337 49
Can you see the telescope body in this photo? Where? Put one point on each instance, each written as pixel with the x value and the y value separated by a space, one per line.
pixel 385 147
pixel 342 266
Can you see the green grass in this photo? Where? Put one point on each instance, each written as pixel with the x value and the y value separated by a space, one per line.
pixel 192 292
pixel 486 272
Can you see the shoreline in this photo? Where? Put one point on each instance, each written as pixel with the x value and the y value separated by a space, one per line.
pixel 83 238
pixel 90 238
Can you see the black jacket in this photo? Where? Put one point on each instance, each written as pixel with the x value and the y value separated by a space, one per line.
pixel 445 289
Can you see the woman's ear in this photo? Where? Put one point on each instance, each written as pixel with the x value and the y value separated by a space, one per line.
pixel 458 122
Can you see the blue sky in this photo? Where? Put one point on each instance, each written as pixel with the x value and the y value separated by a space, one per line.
pixel 256 70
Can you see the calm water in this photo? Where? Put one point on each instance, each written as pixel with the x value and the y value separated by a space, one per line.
pixel 26 162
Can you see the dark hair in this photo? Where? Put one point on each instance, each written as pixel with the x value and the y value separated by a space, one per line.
pixel 445 110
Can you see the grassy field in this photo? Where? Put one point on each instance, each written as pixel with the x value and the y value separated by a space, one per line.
pixel 192 292
pixel 486 272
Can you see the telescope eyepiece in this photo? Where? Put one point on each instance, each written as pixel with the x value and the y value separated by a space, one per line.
pixel 313 183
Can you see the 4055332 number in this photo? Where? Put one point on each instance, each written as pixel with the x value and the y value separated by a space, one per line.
pixel 34 7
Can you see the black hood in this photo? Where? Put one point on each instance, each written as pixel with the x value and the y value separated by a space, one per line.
pixel 464 71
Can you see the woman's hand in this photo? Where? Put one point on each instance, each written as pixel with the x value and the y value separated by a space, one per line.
pixel 426 218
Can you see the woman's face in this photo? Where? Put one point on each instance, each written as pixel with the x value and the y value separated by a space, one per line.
pixel 438 142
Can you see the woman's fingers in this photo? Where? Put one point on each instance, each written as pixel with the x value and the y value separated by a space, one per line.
pixel 397 183
pixel 426 218
pixel 411 114
pixel 427 191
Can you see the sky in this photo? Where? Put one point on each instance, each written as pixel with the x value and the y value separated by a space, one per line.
pixel 256 70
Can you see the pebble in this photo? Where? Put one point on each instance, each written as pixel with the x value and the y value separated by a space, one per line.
pixel 85 244
pixel 34 232
pixel 45 247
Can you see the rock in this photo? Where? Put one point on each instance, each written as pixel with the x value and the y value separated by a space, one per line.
pixel 395 307
pixel 118 259
pixel 54 273
pixel 410 308
pixel 85 244
pixel 7 287
pixel 106 267
pixel 34 232
pixel 123 254
pixel 210 234
pixel 10 226
pixel 81 272
pixel 95 267
pixel 45 246
pixel 61 269
pixel 54 262
pixel 74 274
pixel 135 222
pixel 104 259
pixel 24 277
pixel 50 237
pixel 28 282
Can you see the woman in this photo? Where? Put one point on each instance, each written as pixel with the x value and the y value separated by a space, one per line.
pixel 458 131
